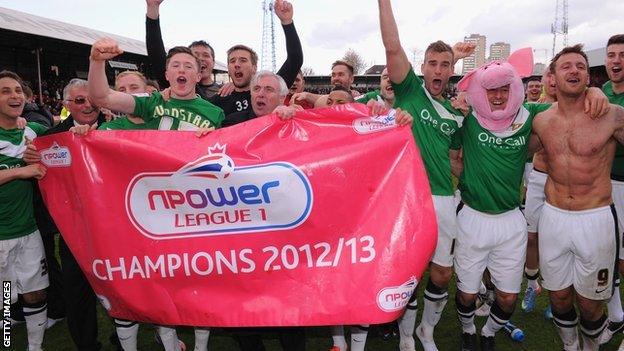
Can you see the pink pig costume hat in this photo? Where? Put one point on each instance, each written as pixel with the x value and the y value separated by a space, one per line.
pixel 495 75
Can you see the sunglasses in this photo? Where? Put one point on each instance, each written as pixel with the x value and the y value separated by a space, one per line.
pixel 79 100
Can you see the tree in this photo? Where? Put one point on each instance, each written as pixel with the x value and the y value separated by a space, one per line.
pixel 355 59
pixel 307 71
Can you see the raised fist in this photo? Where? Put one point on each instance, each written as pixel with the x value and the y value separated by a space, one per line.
pixel 284 11
pixel 105 49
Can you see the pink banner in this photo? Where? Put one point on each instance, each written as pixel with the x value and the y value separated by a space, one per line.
pixel 324 219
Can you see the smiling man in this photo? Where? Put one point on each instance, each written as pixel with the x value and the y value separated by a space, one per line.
pixel 578 225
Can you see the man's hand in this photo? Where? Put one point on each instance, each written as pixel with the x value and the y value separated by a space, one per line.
pixel 31 155
pixel 104 49
pixel 460 103
pixel 108 114
pixel 153 8
pixel 226 89
pixel 287 112
pixel 299 97
pixel 203 131
pixel 403 118
pixel 596 103
pixel 462 50
pixel 21 122
pixel 83 129
pixel 377 108
pixel 36 171
pixel 284 11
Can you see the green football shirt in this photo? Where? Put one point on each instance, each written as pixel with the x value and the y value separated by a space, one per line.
pixel 16 197
pixel 188 114
pixel 494 162
pixel 435 122
pixel 372 95
pixel 618 162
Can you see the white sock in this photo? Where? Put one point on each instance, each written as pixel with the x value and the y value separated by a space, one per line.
pixel 496 320
pixel 169 338
pixel 127 333
pixel 338 337
pixel 435 300
pixel 358 337
pixel 466 316
pixel 36 316
pixel 201 339
pixel 566 327
pixel 532 275
pixel 614 306
pixel 590 332
pixel 407 321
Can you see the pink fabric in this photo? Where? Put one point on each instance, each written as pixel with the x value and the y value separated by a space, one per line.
pixel 495 75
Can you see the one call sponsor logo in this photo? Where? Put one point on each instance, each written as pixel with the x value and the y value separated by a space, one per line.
pixel 367 125
pixel 56 156
pixel 211 196
pixel 395 298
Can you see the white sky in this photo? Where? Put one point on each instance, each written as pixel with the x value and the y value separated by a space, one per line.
pixel 327 28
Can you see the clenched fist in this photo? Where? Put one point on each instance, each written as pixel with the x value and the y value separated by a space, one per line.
pixel 105 49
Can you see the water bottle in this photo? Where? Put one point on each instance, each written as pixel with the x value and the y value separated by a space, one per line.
pixel 515 333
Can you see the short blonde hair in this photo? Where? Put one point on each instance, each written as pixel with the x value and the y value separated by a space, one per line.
pixel 131 73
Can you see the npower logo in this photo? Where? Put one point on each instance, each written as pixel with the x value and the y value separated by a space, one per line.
pixel 211 196
pixel 395 298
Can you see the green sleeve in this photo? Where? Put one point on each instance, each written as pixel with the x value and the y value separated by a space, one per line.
pixel 536 108
pixel 144 106
pixel 368 96
pixel 38 128
pixel 411 83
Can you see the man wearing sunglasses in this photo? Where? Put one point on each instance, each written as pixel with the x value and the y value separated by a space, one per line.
pixel 80 301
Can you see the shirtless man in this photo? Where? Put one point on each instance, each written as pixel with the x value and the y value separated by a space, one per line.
pixel 578 243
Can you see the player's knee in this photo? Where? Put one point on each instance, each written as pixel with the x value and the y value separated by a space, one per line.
pixel 465 298
pixel 590 309
pixel 561 300
pixel 506 301
pixel 440 276
pixel 34 297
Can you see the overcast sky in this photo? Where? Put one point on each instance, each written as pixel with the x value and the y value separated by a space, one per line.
pixel 329 27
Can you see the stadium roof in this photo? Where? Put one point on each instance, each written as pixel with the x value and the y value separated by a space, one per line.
pixel 26 23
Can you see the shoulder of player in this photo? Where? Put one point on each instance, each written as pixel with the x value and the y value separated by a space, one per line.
pixel 617 112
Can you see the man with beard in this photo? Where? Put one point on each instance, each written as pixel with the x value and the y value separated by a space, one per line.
pixel 614 89
pixel 436 121
pixel 342 75
pixel 578 243
pixel 206 87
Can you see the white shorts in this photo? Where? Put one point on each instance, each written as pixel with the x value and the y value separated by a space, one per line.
pixel 617 193
pixel 447 230
pixel 22 262
pixel 528 167
pixel 578 248
pixel 496 242
pixel 535 198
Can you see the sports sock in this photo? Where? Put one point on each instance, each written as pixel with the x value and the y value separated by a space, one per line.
pixel 407 321
pixel 36 316
pixel 338 337
pixel 590 331
pixel 614 306
pixel 466 316
pixel 127 333
pixel 358 337
pixel 169 338
pixel 532 275
pixel 566 326
pixel 496 320
pixel 201 339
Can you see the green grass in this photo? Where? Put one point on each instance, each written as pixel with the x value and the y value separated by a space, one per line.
pixel 540 334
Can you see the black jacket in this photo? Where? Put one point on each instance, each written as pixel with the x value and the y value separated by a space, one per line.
pixel 33 113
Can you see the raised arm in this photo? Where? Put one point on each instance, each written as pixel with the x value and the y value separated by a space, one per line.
pixel 294 52
pixel 156 52
pixel 396 59
pixel 99 92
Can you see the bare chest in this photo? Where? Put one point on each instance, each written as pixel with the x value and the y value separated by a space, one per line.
pixel 581 138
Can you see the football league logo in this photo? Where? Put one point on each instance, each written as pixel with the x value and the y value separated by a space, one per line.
pixel 212 196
